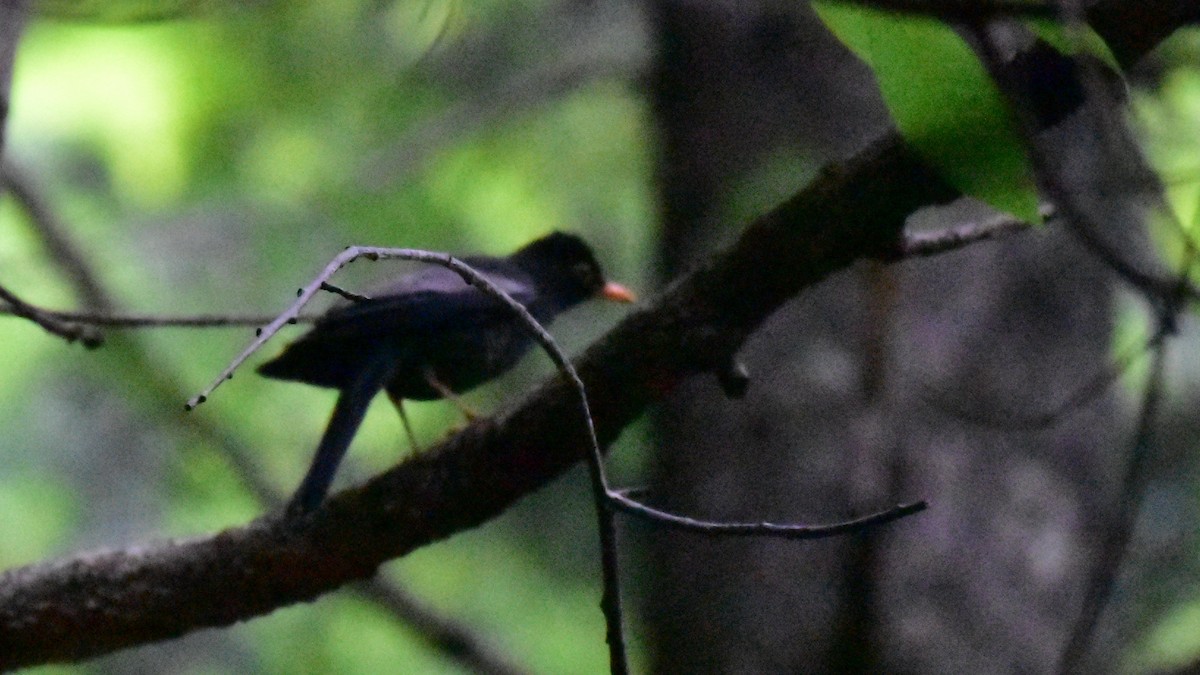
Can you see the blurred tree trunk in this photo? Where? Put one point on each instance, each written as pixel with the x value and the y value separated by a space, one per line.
pixel 857 400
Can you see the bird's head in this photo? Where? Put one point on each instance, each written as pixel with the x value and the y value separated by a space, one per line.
pixel 566 271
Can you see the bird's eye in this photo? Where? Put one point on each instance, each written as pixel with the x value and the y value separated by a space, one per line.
pixel 583 272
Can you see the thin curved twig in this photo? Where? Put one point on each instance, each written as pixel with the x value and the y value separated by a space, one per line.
pixel 1115 542
pixel 70 332
pixel 611 598
pixel 606 500
pixel 127 320
pixel 622 502
pixel 695 327
pixel 56 238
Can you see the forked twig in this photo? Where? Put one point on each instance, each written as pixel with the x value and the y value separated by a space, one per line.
pixel 610 602
pixel 65 330
pixel 305 294
pixel 606 500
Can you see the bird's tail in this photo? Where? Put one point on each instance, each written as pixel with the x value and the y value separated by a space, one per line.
pixel 348 414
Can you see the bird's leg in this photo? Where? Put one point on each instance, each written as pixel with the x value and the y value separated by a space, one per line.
pixel 408 430
pixel 449 394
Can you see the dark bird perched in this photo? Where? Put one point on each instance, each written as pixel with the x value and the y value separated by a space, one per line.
pixel 428 335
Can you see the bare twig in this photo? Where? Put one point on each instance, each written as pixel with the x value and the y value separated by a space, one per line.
pixel 1111 552
pixel 304 295
pixel 925 244
pixel 124 320
pixel 90 601
pixel 622 502
pixel 55 237
pixel 611 599
pixel 605 498
pixel 70 332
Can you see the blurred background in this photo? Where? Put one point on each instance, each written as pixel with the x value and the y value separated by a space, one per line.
pixel 210 158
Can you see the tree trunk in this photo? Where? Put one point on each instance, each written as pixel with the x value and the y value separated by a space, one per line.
pixel 883 385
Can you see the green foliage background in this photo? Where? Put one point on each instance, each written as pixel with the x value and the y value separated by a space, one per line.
pixel 214 164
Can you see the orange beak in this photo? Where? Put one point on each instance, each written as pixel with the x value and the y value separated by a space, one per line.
pixel 617 293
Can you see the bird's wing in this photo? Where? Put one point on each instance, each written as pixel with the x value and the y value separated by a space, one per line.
pixel 413 307
pixel 438 279
pixel 432 299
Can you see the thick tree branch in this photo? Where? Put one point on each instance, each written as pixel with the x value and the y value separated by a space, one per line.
pixel 98 602
pixel 94 603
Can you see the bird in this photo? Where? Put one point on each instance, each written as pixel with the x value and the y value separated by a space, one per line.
pixel 430 335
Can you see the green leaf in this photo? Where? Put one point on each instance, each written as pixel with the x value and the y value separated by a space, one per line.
pixel 943 102
pixel 1074 40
